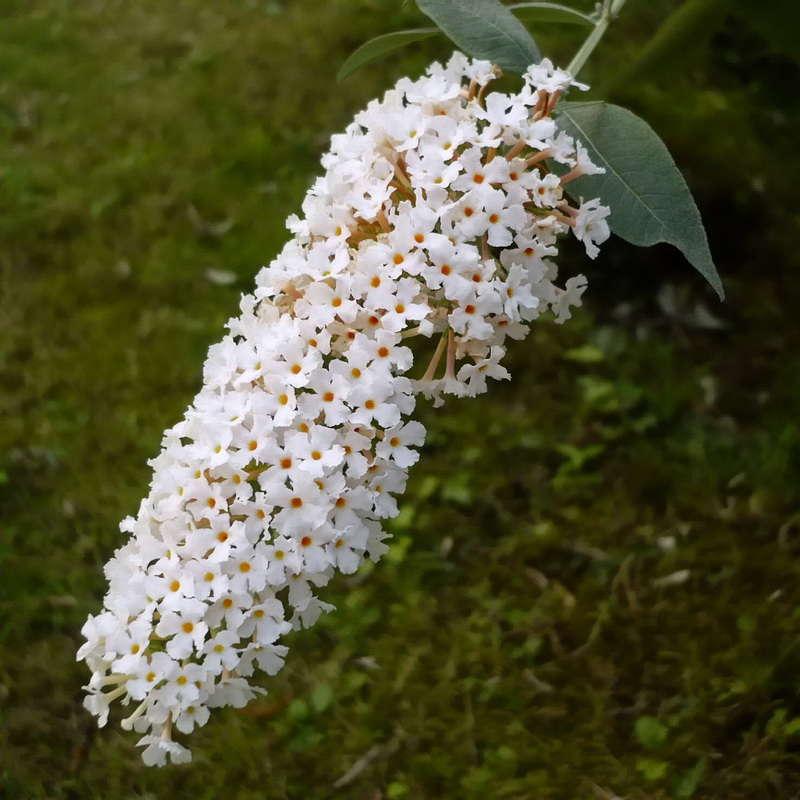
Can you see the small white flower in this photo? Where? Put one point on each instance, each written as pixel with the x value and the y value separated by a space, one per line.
pixel 220 652
pixel 186 627
pixel 191 716
pixel 158 749
pixel 397 443
pixel 591 227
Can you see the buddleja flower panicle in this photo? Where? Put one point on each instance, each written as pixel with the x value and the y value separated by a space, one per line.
pixel 437 216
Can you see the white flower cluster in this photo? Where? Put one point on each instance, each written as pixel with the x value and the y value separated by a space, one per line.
pixel 436 215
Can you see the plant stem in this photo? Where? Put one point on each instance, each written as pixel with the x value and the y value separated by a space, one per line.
pixel 431 371
pixel 611 9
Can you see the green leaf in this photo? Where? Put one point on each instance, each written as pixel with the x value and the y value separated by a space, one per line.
pixel 321 697
pixel 550 12
pixel 688 783
pixel 381 46
pixel 651 769
pixel 649 199
pixel 650 732
pixel 297 710
pixel 485 29
pixel 585 354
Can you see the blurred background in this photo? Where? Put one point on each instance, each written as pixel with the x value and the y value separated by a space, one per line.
pixel 592 591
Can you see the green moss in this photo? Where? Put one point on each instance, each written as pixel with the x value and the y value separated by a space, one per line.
pixel 611 538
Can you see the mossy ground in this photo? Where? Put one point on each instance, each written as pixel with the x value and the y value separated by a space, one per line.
pixel 592 592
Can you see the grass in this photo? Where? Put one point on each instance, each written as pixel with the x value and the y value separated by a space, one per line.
pixel 592 590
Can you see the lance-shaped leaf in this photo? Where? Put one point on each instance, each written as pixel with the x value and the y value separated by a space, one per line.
pixel 648 197
pixel 550 12
pixel 485 29
pixel 379 47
